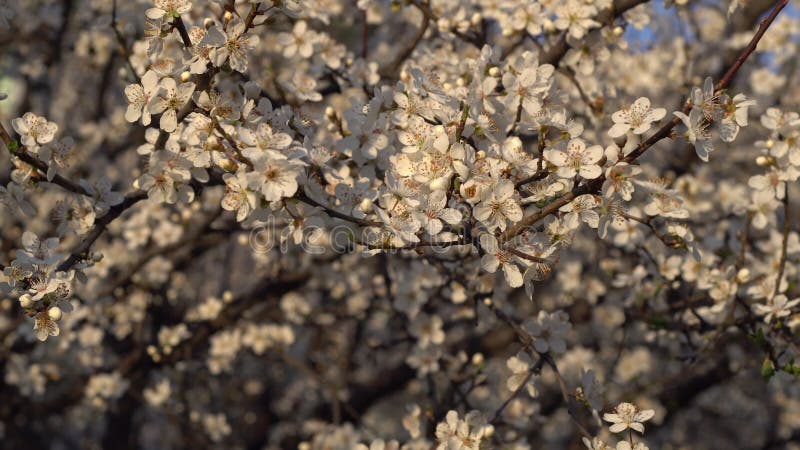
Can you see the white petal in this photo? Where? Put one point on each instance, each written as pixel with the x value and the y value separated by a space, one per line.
pixel 617 427
pixel 155 13
pixel 513 275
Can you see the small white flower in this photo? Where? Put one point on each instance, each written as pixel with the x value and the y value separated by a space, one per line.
pixel 231 46
pixel 433 211
pixel 526 89
pixel 13 197
pixel 34 130
pixel 37 251
pixel 592 389
pixel 169 100
pixel 139 96
pixel 637 118
pixel 663 201
pixel 549 331
pixel 627 415
pixel 458 434
pixel 303 86
pixel 44 326
pixel 776 308
pixel 273 175
pixel 425 359
pixel 58 154
pixel 705 100
pixel 299 42
pixel 427 329
pixel 576 17
pixel 697 131
pixel 581 209
pixel 264 138
pixel 237 197
pixel 734 116
pixel 497 207
pixel 496 257
pixel 102 194
pixel 577 159
pixel 618 181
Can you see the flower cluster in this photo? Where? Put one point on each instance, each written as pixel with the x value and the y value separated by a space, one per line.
pixel 43 290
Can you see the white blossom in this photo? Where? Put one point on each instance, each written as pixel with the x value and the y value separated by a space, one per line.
pixel 169 100
pixel 139 97
pixel 34 130
pixel 549 331
pixel 628 415
pixel 577 159
pixel 636 118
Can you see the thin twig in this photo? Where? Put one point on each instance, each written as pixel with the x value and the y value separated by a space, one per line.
pixel 122 42
pixel 391 69
pixel 536 368
pixel 333 213
pixel 181 27
pixel 784 241
pixel 81 251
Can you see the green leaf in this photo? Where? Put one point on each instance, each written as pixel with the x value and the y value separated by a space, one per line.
pixel 767 369
pixel 791 368
pixel 13 146
pixel 759 338
pixel 657 323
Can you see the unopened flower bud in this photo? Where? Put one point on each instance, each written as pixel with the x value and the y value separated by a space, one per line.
pixel 228 16
pixel 618 30
pixel 476 18
pixel 185 76
pixel 208 23
pixel 365 205
pixel 743 275
pixel 762 160
pixel 477 359
pixel 54 313
pixel 494 71
pixel 26 301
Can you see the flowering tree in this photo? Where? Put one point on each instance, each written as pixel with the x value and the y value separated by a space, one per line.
pixel 407 224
